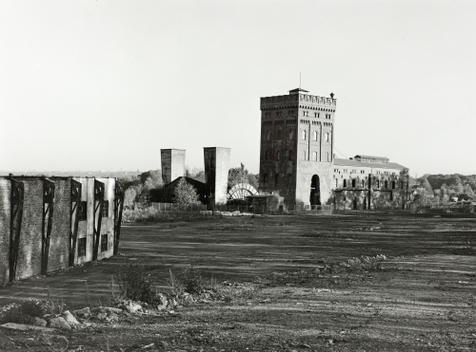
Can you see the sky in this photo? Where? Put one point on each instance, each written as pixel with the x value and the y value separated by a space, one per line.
pixel 104 85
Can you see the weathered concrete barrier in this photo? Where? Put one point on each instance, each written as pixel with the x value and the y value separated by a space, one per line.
pixel 51 223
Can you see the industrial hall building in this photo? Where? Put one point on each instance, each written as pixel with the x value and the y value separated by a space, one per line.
pixel 297 159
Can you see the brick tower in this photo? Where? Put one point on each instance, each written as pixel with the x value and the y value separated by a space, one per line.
pixel 217 165
pixel 297 147
pixel 173 164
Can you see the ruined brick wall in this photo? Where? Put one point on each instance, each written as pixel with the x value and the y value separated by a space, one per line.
pixel 358 200
pixel 59 238
pixel 5 191
pixel 29 254
pixel 388 192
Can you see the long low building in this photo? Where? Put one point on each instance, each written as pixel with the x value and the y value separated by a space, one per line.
pixel 356 170
pixel 369 182
pixel 51 223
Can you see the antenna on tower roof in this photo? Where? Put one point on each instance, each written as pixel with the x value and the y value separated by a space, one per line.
pixel 299 79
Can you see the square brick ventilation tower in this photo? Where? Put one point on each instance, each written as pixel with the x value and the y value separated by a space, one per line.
pixel 217 165
pixel 173 164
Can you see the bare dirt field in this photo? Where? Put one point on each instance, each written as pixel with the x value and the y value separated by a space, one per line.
pixel 297 283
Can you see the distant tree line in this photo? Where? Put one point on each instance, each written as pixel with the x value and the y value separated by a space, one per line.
pixel 443 189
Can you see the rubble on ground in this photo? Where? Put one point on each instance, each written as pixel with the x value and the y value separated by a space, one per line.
pixel 119 310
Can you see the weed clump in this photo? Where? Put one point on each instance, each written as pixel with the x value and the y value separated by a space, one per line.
pixel 192 281
pixel 135 284
pixel 26 312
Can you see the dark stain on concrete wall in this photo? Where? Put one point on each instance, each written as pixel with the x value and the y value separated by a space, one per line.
pixel 5 190
pixel 29 254
pixel 59 240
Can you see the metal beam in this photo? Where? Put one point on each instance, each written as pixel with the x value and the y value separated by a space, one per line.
pixel 16 208
pixel 97 219
pixel 47 222
pixel 118 207
pixel 369 200
pixel 75 211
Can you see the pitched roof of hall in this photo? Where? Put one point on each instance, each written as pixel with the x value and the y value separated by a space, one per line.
pixel 356 163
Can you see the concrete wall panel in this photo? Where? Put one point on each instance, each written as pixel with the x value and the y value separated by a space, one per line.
pixel 107 224
pixel 85 226
pixel 29 254
pixel 59 239
pixel 5 191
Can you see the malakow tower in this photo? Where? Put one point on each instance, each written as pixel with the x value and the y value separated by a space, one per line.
pixel 297 147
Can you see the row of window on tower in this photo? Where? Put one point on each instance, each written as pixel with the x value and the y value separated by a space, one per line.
pixel 305 113
pixel 279 134
pixel 268 155
pixel 279 113
pixel 315 156
pixel 315 136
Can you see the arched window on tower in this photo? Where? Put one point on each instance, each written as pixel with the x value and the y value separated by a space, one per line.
pixel 304 135
pixel 314 136
pixel 268 135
